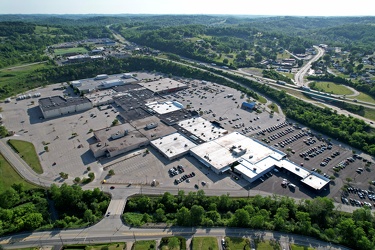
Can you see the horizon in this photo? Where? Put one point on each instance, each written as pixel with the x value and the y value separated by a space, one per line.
pixel 318 8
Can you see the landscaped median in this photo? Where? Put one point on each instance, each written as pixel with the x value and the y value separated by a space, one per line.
pixel 109 246
pixel 204 243
pixel 26 151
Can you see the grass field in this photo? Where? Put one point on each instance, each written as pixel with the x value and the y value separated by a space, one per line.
pixel 43 30
pixel 365 98
pixel 284 55
pixel 254 71
pixel 330 87
pixel 144 245
pixel 14 76
pixel 262 99
pixel 274 107
pixel 109 246
pixel 369 113
pixel 267 245
pixel 60 52
pixel 27 152
pixel 235 243
pixel 289 75
pixel 9 176
pixel 204 243
pixel 298 247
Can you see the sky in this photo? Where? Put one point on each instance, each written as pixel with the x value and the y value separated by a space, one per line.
pixel 233 7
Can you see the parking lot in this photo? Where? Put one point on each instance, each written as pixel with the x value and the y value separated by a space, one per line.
pixel 68 138
pixel 320 155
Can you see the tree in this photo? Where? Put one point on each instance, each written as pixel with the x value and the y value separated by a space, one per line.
pixel 111 172
pixel 77 180
pixel 183 217
pixel 46 148
pixel 173 243
pixel 64 175
pixel 9 198
pixel 160 215
pixel 225 60
pixel 348 179
pixel 241 218
pixel 91 175
pixel 197 214
pixel 115 122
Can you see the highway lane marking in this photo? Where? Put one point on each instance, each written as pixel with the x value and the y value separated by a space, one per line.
pixel 156 233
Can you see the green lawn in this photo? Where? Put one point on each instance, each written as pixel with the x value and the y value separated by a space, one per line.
pixel 268 245
pixel 298 247
pixel 144 245
pixel 262 99
pixel 223 56
pixel 284 55
pixel 273 107
pixel 369 113
pixel 109 246
pixel 9 176
pixel 27 152
pixel 60 52
pixel 289 75
pixel 365 98
pixel 330 87
pixel 133 219
pixel 204 243
pixel 235 243
pixel 254 71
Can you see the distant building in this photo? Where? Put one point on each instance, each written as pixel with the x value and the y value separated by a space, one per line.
pixel 78 58
pixel 55 106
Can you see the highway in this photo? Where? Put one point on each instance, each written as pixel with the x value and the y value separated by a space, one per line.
pixel 298 77
pixel 122 233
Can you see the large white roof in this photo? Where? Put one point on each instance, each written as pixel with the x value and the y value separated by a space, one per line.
pixel 163 107
pixel 173 144
pixel 222 151
pixel 202 128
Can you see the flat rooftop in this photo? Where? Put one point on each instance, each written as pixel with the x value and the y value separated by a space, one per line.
pixel 92 84
pixel 173 145
pixel 251 170
pixel 101 96
pixel 163 107
pixel 232 147
pixel 126 87
pixel 294 168
pixel 202 128
pixel 151 134
pixel 54 102
pixel 315 181
pixel 105 140
pixel 164 84
pixel 174 117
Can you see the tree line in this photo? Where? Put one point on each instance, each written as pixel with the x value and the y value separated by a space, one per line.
pixel 26 210
pixel 317 217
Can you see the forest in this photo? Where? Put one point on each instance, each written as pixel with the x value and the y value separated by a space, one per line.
pixel 21 43
pixel 27 210
pixel 317 217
